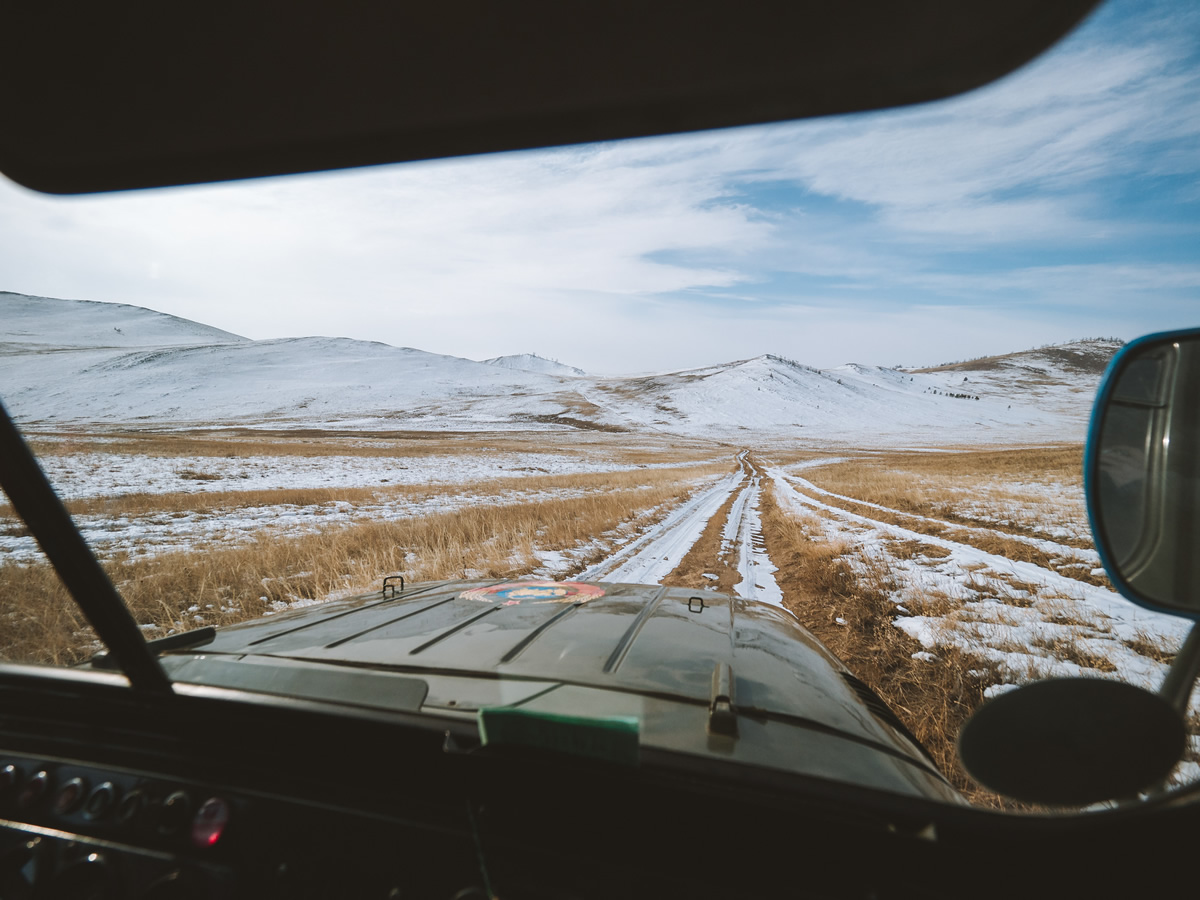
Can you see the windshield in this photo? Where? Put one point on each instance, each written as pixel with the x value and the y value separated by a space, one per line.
pixel 841 367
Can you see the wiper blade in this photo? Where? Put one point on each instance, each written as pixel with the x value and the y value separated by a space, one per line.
pixel 197 637
pixel 51 525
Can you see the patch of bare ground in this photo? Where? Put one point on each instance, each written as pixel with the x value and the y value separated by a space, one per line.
pixel 988 541
pixel 845 601
pixel 221 585
pixel 576 422
pixel 902 549
pixel 315 442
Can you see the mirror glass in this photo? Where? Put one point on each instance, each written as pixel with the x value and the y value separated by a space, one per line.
pixel 1144 472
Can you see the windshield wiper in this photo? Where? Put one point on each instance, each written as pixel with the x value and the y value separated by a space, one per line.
pixel 51 525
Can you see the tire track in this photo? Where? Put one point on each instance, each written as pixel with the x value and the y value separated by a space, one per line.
pixel 1043 544
pixel 1099 599
pixel 742 537
pixel 659 553
pixel 655 554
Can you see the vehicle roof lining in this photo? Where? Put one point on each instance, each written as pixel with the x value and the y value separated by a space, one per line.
pixel 111 99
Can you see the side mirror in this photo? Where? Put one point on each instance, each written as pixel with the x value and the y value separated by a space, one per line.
pixel 1141 472
pixel 1069 740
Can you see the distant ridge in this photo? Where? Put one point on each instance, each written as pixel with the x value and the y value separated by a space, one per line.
pixel 75 363
pixel 1088 355
pixel 531 362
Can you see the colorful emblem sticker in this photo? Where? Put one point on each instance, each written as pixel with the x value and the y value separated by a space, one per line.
pixel 536 592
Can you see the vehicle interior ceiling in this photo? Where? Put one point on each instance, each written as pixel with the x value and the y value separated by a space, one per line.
pixel 138 99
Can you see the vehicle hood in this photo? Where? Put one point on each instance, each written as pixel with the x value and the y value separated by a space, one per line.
pixel 579 648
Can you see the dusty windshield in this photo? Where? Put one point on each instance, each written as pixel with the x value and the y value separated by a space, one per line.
pixel 843 367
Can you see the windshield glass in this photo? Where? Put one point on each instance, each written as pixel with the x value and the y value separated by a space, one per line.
pixel 842 367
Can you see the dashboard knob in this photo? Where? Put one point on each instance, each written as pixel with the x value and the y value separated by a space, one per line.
pixel 100 801
pixel 33 789
pixel 69 796
pixel 175 813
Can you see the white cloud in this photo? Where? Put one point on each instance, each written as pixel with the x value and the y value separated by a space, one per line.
pixel 668 252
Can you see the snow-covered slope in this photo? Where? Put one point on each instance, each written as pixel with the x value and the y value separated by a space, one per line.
pixel 531 362
pixel 773 394
pixel 288 381
pixel 70 361
pixel 50 323
pixel 73 362
pixel 1059 377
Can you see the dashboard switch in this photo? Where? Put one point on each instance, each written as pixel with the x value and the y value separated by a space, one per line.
pixel 174 814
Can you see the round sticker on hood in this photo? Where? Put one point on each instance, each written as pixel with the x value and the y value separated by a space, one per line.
pixel 536 592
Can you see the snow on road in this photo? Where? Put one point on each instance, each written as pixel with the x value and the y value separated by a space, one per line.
pixel 655 554
pixel 743 531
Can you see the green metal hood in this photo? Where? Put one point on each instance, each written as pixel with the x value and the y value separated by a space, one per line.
pixel 590 649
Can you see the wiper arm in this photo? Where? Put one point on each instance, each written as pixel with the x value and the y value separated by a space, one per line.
pixel 51 525
pixel 197 637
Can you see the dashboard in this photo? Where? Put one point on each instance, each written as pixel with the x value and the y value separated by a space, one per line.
pixel 71 830
pixel 107 792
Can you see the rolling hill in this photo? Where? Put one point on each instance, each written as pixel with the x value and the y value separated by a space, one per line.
pixel 69 363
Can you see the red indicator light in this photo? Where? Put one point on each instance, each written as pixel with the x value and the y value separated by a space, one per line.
pixel 210 821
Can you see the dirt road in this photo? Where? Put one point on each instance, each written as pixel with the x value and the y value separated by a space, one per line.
pixel 721 526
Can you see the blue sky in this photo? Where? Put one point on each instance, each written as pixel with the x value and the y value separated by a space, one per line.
pixel 1060 202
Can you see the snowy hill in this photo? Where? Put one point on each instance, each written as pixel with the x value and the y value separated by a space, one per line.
pixel 1088 357
pixel 287 381
pixel 531 362
pixel 80 364
pixel 72 361
pixel 774 394
pixel 52 323
pixel 1059 377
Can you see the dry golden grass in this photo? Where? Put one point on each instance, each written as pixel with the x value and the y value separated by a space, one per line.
pixel 989 542
pixel 1155 648
pixel 902 549
pixel 249 442
pixel 1068 649
pixel 939 485
pixel 989 539
pixel 821 584
pixel 1064 611
pixel 228 584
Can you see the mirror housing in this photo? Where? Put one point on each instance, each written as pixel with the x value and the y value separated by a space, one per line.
pixel 1141 472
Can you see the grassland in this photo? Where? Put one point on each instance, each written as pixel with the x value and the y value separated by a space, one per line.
pixel 337 541
pixel 1032 492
